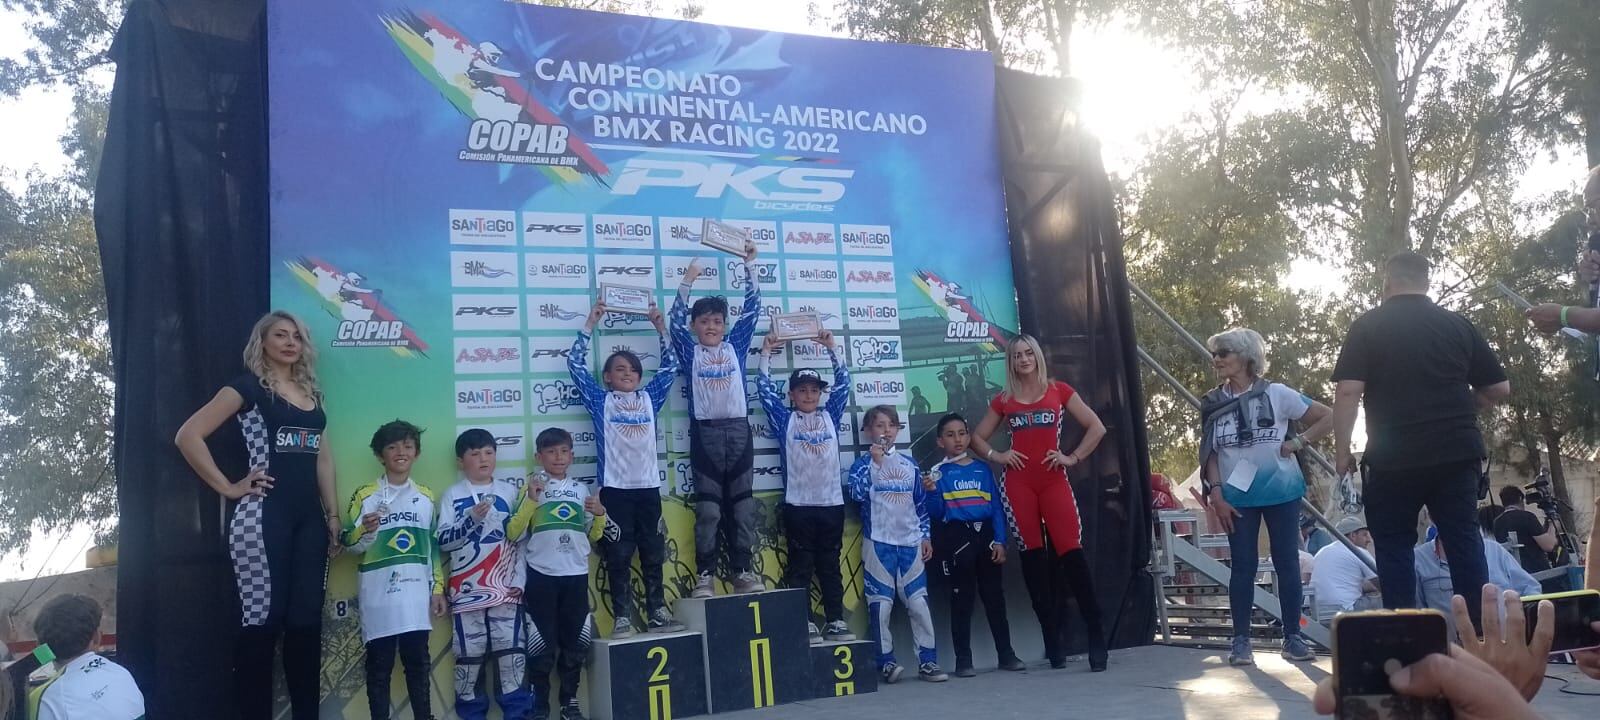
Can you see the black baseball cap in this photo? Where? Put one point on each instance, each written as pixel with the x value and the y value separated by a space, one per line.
pixel 807 375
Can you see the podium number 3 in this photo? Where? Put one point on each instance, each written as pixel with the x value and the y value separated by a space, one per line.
pixel 847 667
pixel 660 654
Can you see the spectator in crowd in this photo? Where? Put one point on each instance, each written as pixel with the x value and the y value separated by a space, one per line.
pixel 1589 660
pixel 1535 537
pixel 1339 579
pixel 1423 372
pixel 1433 569
pixel 1312 537
pixel 86 686
pixel 1247 456
pixel 1551 317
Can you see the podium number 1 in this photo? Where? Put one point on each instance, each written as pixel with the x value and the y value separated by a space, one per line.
pixel 760 663
pixel 660 694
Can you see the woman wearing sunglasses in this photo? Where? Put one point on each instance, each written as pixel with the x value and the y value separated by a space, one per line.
pixel 1250 476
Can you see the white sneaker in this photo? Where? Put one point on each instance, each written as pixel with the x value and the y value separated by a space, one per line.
pixel 748 582
pixel 702 587
pixel 814 633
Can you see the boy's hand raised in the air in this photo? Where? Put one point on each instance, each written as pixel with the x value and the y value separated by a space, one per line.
pixel 595 313
pixel 749 251
pixel 693 272
pixel 825 338
pixel 593 506
pixel 770 344
pixel 657 319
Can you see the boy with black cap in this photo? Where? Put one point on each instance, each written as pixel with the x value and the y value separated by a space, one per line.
pixel 813 495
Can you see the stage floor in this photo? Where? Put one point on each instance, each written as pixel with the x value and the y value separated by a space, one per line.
pixel 1149 682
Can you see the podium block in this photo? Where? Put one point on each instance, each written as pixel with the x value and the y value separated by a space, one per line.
pixel 843 668
pixel 648 677
pixel 757 647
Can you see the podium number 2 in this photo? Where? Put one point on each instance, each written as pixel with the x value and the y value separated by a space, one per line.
pixel 660 694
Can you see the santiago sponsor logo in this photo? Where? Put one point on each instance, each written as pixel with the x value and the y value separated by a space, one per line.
pixel 548 354
pixel 884 389
pixel 624 231
pixel 557 270
pixel 813 275
pixel 869 277
pixel 489 398
pixel 551 396
pixel 764 233
pixel 802 237
pixel 483 227
pixel 557 312
pixel 485 312
pixel 510 440
pixel 675 268
pixel 866 239
pixel 767 187
pixel 874 314
pixel 488 355
pixel 809 353
pixel 553 229
pixel 876 351
pixel 483 269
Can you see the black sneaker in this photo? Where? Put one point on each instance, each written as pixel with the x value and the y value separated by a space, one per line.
pixel 891 672
pixel 1012 664
pixel 661 621
pixel 965 671
pixel 570 711
pixel 930 671
pixel 541 710
pixel 622 629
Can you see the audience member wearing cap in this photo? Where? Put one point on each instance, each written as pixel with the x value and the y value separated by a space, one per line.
pixel 1339 579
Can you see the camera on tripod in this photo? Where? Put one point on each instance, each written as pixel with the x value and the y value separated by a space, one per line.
pixel 1540 493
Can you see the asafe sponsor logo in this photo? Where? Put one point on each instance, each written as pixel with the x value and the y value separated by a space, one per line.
pixel 483 269
pixel 485 312
pixel 876 351
pixel 624 231
pixel 483 227
pixel 557 270
pixel 866 239
pixel 874 314
pixel 880 389
pixel 768 187
pixel 868 277
pixel 815 275
pixel 488 355
pixel 489 398
pixel 555 396
pixel 550 229
pixel 809 238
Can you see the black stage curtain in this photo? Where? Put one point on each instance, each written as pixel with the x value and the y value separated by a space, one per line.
pixel 1066 253
pixel 180 209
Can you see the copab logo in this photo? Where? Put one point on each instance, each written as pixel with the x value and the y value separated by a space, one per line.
pixel 873 349
pixel 556 395
pixel 369 333
pixel 967 331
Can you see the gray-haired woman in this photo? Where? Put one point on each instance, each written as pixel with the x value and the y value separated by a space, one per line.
pixel 1248 470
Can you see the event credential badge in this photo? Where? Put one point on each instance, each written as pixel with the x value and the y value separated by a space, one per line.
pixel 796 326
pixel 719 235
pixel 626 299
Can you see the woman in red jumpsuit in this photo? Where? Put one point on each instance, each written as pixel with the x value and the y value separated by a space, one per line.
pixel 1040 500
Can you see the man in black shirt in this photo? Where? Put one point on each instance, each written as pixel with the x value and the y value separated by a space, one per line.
pixel 1423 372
pixel 1535 538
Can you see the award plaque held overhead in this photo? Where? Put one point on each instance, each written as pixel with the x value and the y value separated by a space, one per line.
pixel 796 326
pixel 626 299
pixel 719 235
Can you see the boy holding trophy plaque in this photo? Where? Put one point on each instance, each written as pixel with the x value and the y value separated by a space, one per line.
pixel 720 443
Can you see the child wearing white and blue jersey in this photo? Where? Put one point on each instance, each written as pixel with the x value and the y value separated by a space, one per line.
pixel 813 501
pixel 630 482
pixel 894 543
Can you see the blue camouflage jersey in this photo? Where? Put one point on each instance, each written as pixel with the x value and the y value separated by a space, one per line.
pixel 624 423
pixel 808 443
pixel 891 498
pixel 715 375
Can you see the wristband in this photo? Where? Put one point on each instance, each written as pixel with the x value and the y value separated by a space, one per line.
pixel 1564 309
pixel 990 455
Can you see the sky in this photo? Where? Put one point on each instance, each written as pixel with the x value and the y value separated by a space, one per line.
pixel 1132 88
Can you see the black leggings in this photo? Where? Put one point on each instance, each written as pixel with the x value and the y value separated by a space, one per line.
pixel 413 649
pixel 964 558
pixel 1051 579
pixel 562 632
pixel 815 536
pixel 637 514
pixel 280 556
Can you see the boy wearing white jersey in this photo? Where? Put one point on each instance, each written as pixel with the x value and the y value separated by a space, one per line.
pixel 402 580
pixel 721 448
pixel 479 527
pixel 563 519
pixel 813 498
pixel 624 418
pixel 86 686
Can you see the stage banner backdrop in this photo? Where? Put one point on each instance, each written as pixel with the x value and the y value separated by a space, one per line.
pixel 452 181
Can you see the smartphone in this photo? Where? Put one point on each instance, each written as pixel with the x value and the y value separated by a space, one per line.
pixel 1368 647
pixel 1575 611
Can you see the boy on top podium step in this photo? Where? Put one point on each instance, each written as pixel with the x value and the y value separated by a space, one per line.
pixel 511 566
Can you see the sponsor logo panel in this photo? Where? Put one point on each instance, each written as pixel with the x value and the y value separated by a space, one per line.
pixel 879 389
pixel 876 351
pixel 514 475
pixel 483 227
pixel 510 440
pixel 490 398
pixel 868 277
pixel 768 272
pixel 647 347
pixel 810 354
pixel 874 314
pixel 558 270
pixel 556 397
pixel 587 473
pixel 486 312
pixel 812 275
pixel 809 238
pixel 583 436
pixel 555 229
pixel 767 472
pixel 548 354
pixel 762 432
pixel 557 312
pixel 483 355
pixel 682 233
pixel 633 232
pixel 866 240
pixel 483 269
pixel 675 267
pixel 764 233
pixel 902 438
pixel 634 270
pixel 830 310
